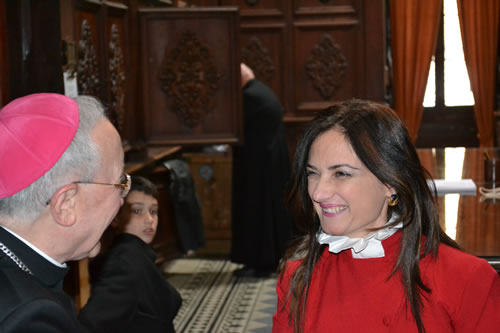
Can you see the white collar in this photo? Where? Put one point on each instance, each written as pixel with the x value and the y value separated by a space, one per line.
pixel 369 246
pixel 37 250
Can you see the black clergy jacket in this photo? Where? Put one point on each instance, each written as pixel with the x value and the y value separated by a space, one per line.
pixel 261 226
pixel 33 303
pixel 129 293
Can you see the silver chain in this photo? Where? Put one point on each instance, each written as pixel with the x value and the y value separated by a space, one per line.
pixel 14 258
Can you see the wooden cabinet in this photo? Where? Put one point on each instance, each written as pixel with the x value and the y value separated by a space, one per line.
pixel 190 76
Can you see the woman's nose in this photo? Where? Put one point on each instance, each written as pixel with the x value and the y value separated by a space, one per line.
pixel 319 191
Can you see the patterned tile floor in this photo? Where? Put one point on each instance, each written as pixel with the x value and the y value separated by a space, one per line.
pixel 216 301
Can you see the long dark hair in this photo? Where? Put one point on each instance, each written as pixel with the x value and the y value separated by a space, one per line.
pixel 382 143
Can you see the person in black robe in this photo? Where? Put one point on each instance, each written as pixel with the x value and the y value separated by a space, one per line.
pixel 61 185
pixel 34 300
pixel 129 293
pixel 261 227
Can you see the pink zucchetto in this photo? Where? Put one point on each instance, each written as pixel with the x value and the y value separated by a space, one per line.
pixel 35 131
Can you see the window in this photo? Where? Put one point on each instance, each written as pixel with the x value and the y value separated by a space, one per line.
pixel 456 79
pixel 448 119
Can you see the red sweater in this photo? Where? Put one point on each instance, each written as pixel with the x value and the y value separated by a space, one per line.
pixel 354 295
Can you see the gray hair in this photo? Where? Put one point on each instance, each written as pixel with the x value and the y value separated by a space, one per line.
pixel 81 159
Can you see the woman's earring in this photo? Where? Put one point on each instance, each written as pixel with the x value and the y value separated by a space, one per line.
pixel 393 200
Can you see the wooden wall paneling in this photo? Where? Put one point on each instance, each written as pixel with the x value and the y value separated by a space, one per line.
pixel 321 7
pixel 263 41
pixel 117 69
pixel 294 129
pixel 340 52
pixel 101 42
pixel 89 49
pixel 436 126
pixel 256 8
pixel 262 49
pixel 213 183
pixel 326 65
pixel 190 76
pixel 327 61
pixel 374 45
pixel 135 118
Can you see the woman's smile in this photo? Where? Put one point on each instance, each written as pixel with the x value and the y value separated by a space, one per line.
pixel 332 210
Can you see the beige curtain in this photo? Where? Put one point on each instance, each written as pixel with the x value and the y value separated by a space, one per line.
pixel 415 25
pixel 479 20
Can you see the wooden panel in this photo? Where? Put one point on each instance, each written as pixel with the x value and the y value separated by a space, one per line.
pixel 327 63
pixel 335 51
pixel 262 49
pixel 436 126
pixel 254 8
pixel 116 69
pixel 265 43
pixel 212 178
pixel 315 7
pixel 326 50
pixel 98 34
pixel 89 49
pixel 374 46
pixel 294 128
pixel 190 76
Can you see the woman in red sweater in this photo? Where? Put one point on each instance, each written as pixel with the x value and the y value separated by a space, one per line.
pixel 373 257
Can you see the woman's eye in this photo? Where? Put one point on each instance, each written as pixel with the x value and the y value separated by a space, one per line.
pixel 341 174
pixel 310 173
pixel 137 211
pixel 154 212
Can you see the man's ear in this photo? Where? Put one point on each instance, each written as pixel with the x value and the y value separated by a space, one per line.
pixel 63 205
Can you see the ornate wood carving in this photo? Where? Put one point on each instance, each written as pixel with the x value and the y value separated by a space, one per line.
pixel 88 71
pixel 189 78
pixel 117 79
pixel 326 66
pixel 255 55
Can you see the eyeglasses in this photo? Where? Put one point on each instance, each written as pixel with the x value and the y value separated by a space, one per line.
pixel 124 186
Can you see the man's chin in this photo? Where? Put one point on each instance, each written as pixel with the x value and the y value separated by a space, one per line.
pixel 95 250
